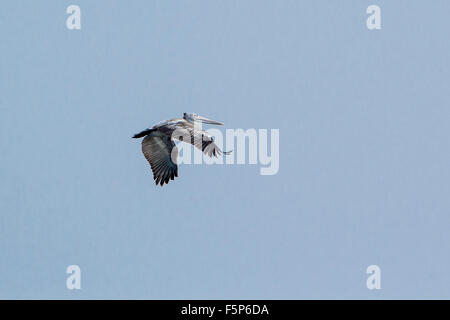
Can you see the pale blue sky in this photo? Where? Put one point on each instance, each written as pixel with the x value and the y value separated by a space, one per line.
pixel 364 149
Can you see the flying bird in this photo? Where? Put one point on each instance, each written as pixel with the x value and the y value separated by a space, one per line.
pixel 159 148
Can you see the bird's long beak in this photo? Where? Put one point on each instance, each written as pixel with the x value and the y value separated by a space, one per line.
pixel 208 121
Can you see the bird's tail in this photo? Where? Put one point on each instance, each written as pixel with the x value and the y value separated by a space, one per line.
pixel 143 133
pixel 227 152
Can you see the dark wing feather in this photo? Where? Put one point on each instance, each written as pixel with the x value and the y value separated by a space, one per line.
pixel 161 152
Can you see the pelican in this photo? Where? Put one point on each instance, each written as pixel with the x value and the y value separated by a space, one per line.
pixel 159 148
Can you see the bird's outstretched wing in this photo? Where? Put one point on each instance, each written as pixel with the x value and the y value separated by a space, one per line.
pixel 199 139
pixel 161 152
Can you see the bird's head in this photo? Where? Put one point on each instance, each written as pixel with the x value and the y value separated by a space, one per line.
pixel 192 117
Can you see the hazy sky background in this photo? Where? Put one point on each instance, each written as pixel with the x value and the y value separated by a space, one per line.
pixel 364 149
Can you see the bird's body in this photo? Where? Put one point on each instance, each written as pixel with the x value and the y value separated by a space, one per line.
pixel 160 150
